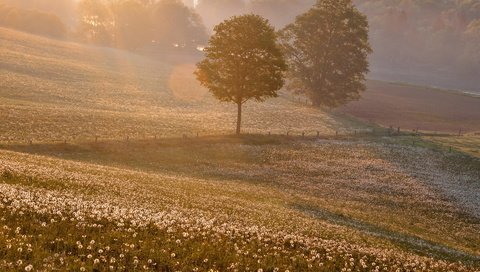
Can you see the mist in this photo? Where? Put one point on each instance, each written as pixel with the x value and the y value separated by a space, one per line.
pixel 435 43
pixel 64 9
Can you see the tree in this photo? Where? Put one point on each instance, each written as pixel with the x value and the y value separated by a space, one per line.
pixel 132 24
pixel 96 21
pixel 327 49
pixel 32 21
pixel 243 62
pixel 175 23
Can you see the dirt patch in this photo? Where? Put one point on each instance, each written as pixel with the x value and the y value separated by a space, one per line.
pixel 412 107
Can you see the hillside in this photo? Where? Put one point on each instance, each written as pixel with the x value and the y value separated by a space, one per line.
pixel 214 202
pixel 53 90
pixel 416 107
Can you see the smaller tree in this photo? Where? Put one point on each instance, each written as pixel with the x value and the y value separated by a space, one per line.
pixel 243 62
pixel 327 50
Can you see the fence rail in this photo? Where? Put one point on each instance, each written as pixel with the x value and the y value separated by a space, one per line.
pixel 306 134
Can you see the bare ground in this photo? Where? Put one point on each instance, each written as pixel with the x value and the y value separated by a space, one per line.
pixel 412 107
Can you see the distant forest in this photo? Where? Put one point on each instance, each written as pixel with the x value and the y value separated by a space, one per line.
pixel 444 34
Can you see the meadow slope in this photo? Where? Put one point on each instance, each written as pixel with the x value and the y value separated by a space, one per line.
pixel 53 90
pixel 209 203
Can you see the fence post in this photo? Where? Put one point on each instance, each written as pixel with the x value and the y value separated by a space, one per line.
pixel 96 139
pixel 318 134
pixel 336 133
pixel 303 134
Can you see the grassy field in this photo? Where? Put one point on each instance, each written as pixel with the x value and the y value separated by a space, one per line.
pixel 210 203
pixel 51 91
pixel 468 144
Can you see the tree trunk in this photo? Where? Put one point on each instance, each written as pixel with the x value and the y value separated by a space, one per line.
pixel 239 117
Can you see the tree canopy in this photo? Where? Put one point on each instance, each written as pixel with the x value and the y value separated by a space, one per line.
pixel 175 23
pixel 131 24
pixel 243 62
pixel 327 49
pixel 32 21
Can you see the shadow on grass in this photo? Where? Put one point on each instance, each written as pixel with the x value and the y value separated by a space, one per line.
pixel 405 241
pixel 197 156
pixel 237 158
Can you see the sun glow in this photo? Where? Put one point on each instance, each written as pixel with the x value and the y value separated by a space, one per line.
pixel 184 86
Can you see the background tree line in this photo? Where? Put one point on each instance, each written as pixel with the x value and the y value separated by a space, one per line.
pixel 131 24
pixel 432 33
pixel 405 34
pixel 32 21
pixel 126 24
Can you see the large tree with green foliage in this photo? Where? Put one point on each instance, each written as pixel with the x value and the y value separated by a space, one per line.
pixel 327 50
pixel 243 62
